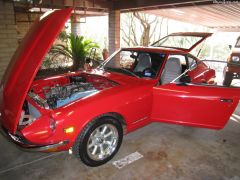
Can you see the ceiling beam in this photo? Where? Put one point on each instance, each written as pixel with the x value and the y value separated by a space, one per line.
pixel 102 4
pixel 131 5
pixel 228 29
pixel 59 4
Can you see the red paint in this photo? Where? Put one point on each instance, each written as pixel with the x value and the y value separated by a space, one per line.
pixel 201 74
pixel 138 101
pixel 199 106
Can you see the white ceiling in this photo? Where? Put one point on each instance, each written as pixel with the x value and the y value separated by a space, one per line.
pixel 224 17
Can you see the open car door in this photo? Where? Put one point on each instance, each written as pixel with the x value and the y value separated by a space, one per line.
pixel 200 105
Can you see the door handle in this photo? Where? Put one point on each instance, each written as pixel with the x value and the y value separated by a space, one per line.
pixel 226 100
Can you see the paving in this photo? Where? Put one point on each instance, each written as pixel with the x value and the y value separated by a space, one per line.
pixel 169 152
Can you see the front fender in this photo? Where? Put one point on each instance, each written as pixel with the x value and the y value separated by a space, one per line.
pixel 127 101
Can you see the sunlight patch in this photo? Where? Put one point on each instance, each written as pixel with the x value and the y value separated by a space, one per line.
pixel 127 160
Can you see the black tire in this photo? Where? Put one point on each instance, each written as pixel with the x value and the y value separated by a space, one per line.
pixel 80 145
pixel 228 79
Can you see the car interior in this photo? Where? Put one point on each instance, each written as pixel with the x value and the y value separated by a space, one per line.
pixel 142 64
pixel 175 66
pixel 148 64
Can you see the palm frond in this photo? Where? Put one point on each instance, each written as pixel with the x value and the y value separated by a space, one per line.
pixel 76 48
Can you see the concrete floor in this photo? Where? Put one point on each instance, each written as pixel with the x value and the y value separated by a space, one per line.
pixel 170 152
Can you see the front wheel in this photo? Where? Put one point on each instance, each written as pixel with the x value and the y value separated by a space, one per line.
pixel 228 79
pixel 99 141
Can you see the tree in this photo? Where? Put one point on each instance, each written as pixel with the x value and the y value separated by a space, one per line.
pixel 140 29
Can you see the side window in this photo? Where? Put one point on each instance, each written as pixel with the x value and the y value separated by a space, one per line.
pixel 191 61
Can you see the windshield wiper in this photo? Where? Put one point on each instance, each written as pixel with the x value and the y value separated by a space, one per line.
pixel 121 69
pixel 108 68
pixel 130 72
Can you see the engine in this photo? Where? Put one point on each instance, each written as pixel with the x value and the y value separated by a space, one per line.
pixel 55 92
pixel 58 96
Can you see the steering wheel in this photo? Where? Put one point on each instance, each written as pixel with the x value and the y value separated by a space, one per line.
pixel 148 72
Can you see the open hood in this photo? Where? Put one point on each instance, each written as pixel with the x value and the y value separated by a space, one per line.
pixel 25 64
pixel 185 41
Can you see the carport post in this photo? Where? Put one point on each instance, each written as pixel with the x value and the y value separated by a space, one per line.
pixel 114 30
pixel 75 25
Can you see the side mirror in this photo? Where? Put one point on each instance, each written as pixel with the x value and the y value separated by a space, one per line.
pixel 230 47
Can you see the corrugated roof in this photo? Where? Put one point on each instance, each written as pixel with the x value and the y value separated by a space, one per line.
pixel 225 17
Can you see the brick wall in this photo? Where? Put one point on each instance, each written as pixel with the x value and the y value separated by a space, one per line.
pixel 8 34
pixel 23 23
pixel 114 30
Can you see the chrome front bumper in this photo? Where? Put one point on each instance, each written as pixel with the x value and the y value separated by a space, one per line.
pixel 27 146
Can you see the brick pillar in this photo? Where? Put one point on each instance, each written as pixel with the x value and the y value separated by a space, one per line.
pixel 75 25
pixel 114 30
pixel 8 34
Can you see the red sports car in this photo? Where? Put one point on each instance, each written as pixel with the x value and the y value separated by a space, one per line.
pixel 89 112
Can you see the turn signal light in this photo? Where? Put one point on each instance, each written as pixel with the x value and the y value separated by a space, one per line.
pixel 69 130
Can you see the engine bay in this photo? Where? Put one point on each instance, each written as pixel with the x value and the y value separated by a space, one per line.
pixel 58 96
pixel 56 92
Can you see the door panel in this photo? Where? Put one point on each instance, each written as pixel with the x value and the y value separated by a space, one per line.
pixel 201 106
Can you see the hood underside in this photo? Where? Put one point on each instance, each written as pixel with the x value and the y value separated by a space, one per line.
pixel 25 64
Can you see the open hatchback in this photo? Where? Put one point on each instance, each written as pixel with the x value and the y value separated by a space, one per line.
pixel 185 41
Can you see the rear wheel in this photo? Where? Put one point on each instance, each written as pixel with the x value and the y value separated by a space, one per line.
pixel 228 79
pixel 99 141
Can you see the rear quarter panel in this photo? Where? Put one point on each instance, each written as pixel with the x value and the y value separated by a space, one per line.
pixel 202 74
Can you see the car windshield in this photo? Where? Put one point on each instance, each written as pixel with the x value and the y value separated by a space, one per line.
pixel 177 41
pixel 140 64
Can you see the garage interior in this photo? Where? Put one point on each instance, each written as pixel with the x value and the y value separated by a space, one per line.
pixel 169 151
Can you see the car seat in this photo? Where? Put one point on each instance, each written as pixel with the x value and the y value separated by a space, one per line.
pixel 172 70
pixel 144 62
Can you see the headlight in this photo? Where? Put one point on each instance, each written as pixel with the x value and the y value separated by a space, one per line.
pixel 235 58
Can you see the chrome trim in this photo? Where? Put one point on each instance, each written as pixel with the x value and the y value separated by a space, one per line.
pixel 27 146
pixel 140 120
pixel 47 147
